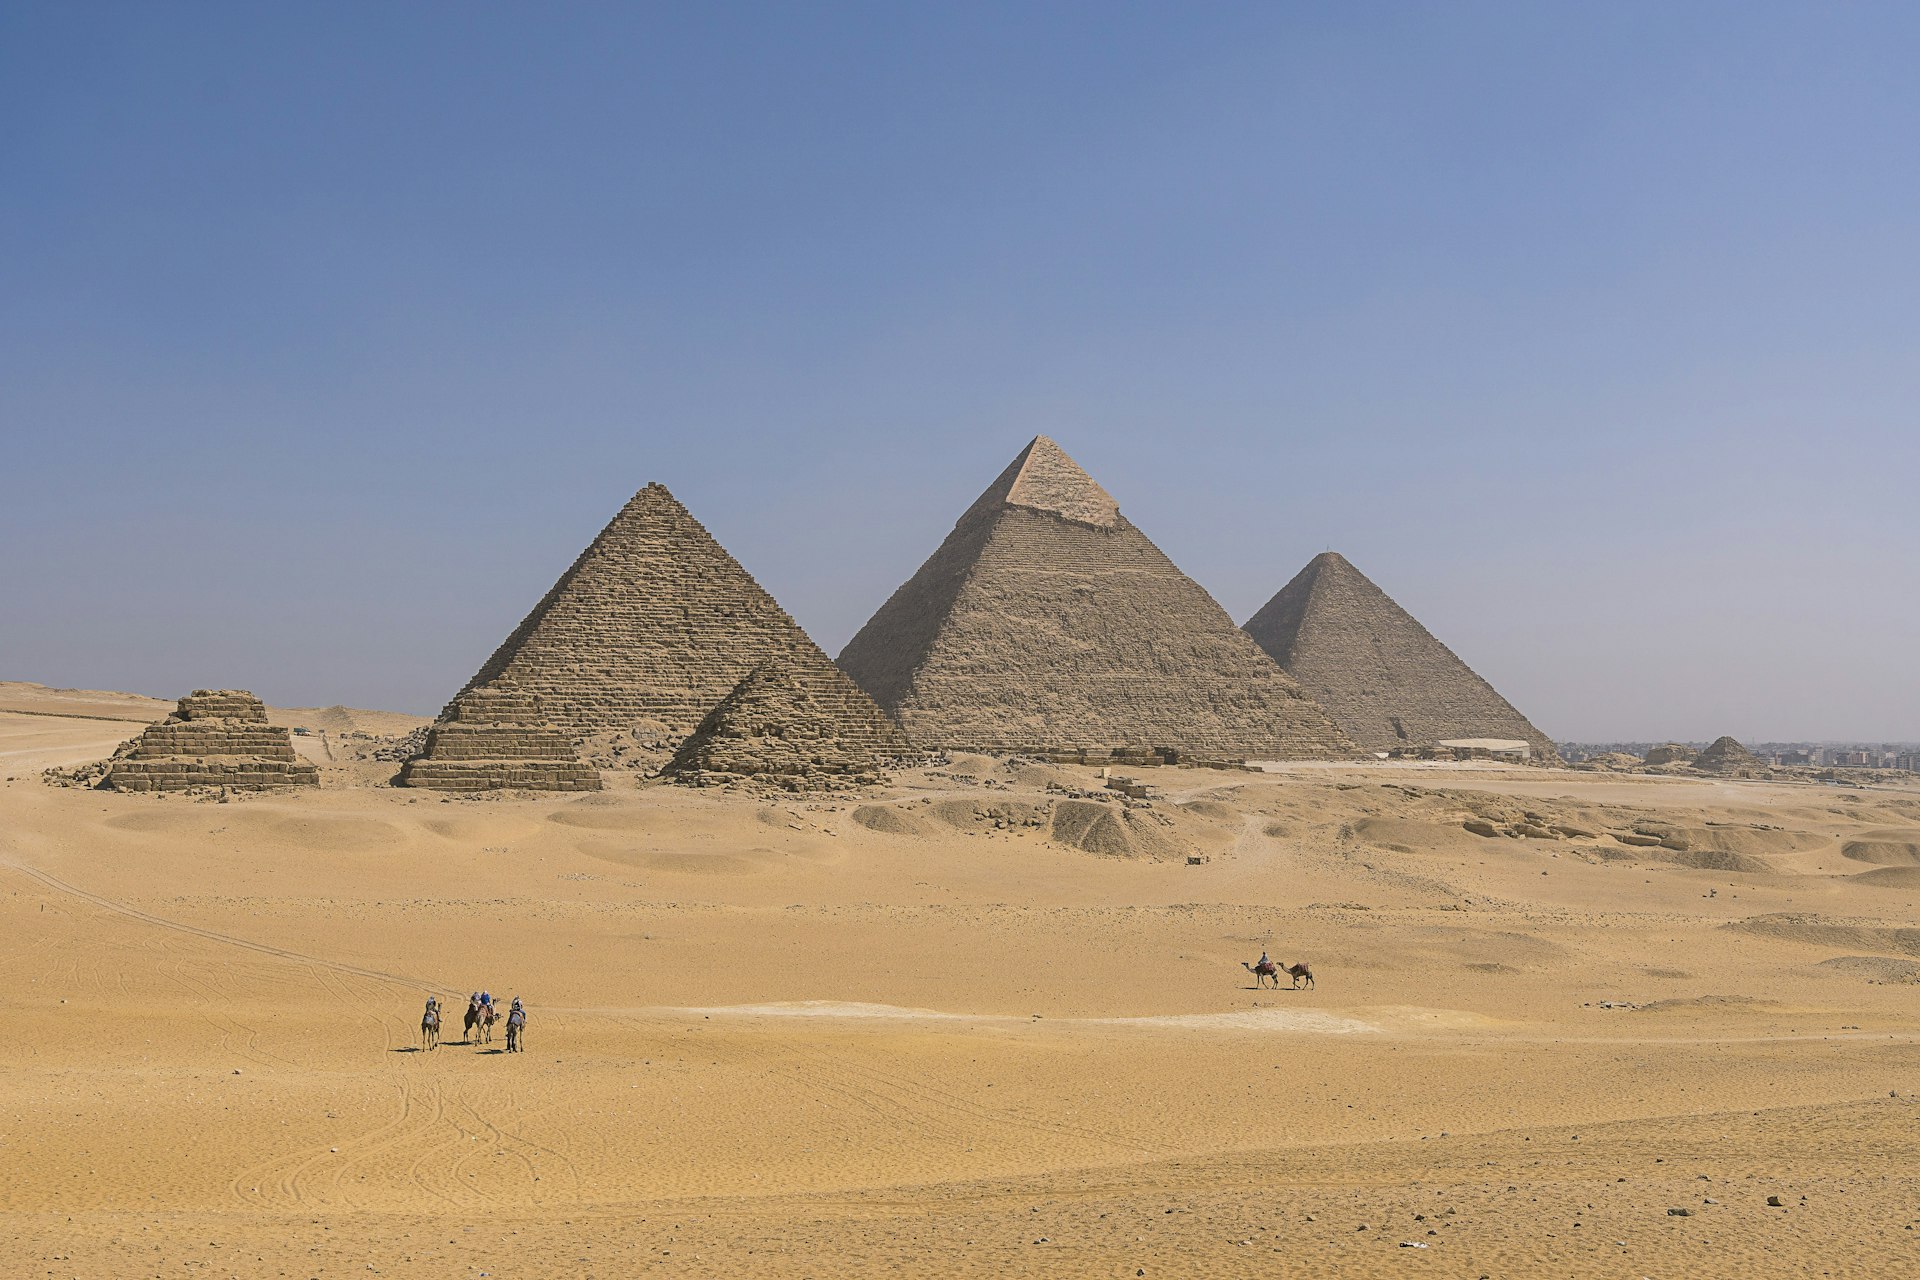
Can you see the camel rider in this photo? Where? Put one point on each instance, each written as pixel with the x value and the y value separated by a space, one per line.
pixel 1264 962
pixel 517 1008
pixel 486 999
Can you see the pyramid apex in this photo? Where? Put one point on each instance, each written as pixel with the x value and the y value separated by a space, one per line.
pixel 1044 478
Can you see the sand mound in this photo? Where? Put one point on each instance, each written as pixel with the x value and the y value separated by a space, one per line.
pixel 1109 830
pixel 1817 930
pixel 1715 860
pixel 1751 841
pixel 686 864
pixel 1884 849
pixel 330 831
pixel 603 817
pixel 1408 835
pixel 1874 968
pixel 334 831
pixel 1890 878
pixel 1092 827
pixel 888 819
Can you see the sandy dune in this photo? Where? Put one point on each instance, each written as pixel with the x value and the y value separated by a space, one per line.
pixel 774 1038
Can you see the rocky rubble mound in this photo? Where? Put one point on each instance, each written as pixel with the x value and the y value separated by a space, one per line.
pixel 1671 753
pixel 1727 756
pixel 1611 762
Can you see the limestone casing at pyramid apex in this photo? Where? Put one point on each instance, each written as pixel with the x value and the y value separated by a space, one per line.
pixel 1042 477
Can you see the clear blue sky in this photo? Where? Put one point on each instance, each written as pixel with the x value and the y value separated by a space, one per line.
pixel 330 333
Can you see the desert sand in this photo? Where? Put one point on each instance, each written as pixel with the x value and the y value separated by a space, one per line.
pixel 904 1032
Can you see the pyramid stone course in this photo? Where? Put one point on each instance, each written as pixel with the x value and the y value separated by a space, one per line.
pixel 794 724
pixel 1385 678
pixel 214 738
pixel 1047 621
pixel 653 625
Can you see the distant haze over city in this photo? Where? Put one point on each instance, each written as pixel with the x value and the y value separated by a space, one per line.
pixel 1587 335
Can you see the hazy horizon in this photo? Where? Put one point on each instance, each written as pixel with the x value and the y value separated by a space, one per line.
pixel 331 337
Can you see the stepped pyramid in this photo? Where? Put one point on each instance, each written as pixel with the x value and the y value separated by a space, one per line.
pixel 1046 620
pixel 498 736
pixel 652 626
pixel 804 727
pixel 1380 673
pixel 214 738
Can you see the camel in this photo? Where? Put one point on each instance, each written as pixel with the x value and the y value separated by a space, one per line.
pixel 1268 969
pixel 472 1019
pixel 430 1028
pixel 516 1031
pixel 488 1016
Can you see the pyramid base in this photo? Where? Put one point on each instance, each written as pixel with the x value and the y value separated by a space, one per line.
pixel 241 773
pixel 765 781
pixel 499 775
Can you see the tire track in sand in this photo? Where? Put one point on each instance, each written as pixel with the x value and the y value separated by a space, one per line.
pixel 213 935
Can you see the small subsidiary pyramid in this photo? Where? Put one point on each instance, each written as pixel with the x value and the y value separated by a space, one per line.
pixel 801 726
pixel 1380 674
pixel 652 626
pixel 1725 756
pixel 214 738
pixel 1047 620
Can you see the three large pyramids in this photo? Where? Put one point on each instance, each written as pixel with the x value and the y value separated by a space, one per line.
pixel 1045 620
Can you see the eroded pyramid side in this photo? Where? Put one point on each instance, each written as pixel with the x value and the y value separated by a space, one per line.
pixel 1386 679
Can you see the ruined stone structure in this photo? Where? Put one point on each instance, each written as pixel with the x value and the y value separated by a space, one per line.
pixel 652 626
pixel 1671 753
pixel 1727 756
pixel 496 737
pixel 795 722
pixel 1381 675
pixel 214 738
pixel 1046 620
